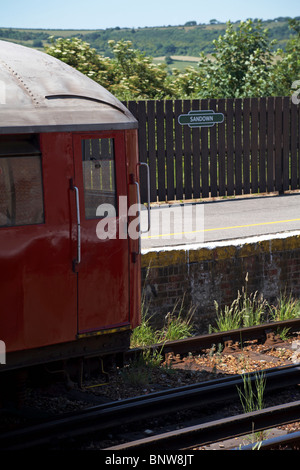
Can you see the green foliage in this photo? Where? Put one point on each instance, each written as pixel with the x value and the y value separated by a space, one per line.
pixel 188 83
pixel 243 64
pixel 250 400
pixel 246 310
pixel 157 41
pixel 251 309
pixel 287 68
pixel 177 326
pixel 128 75
pixel 188 39
pixel 228 320
pixel 141 370
pixel 239 66
pixel 136 76
pixel 287 308
pixel 143 335
pixel 81 56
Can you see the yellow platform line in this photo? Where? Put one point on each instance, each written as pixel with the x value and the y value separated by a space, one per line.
pixel 220 228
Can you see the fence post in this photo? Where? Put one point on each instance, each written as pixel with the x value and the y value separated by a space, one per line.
pixel 270 146
pixel 278 145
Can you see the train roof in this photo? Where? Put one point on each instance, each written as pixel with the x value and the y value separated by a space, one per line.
pixel 39 93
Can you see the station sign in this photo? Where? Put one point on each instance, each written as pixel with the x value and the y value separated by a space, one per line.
pixel 201 118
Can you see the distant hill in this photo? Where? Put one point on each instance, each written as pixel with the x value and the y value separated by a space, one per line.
pixel 183 40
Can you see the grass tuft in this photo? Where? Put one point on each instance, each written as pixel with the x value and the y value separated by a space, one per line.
pixel 177 325
pixel 252 309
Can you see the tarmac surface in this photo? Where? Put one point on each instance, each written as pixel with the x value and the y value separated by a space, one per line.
pixel 221 220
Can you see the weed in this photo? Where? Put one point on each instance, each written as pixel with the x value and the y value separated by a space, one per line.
pixel 287 308
pixel 246 310
pixel 283 333
pixel 177 326
pixel 252 308
pixel 139 371
pixel 230 319
pixel 251 401
pixel 143 335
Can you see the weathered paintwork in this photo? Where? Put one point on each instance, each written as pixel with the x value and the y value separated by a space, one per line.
pixel 53 96
pixel 47 298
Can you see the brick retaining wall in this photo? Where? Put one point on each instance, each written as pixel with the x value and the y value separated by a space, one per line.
pixel 217 271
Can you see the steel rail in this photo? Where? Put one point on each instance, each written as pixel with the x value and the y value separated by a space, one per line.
pixel 103 417
pixel 227 428
pixel 292 439
pixel 199 342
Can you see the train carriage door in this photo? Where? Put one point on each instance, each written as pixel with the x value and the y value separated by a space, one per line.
pixel 102 258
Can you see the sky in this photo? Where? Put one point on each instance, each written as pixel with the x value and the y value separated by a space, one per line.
pixel 102 14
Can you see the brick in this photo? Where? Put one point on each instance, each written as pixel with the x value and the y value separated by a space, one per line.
pixel 273 266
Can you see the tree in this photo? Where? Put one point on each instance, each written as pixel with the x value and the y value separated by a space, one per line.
pixel 187 84
pixel 168 60
pixel 287 68
pixel 81 56
pixel 244 65
pixel 191 23
pixel 241 63
pixel 129 74
pixel 137 77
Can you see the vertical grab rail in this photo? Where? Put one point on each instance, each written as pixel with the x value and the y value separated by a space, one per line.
pixel 78 226
pixel 139 204
pixel 74 188
pixel 133 181
pixel 148 193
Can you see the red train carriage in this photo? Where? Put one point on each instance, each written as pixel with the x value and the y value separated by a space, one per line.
pixel 67 148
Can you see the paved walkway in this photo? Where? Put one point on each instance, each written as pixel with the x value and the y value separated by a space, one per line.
pixel 227 219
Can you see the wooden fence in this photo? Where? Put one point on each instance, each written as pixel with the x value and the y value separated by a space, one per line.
pixel 255 150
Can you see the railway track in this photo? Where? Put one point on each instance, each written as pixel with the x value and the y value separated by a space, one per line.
pixel 288 442
pixel 204 434
pixel 266 332
pixel 58 431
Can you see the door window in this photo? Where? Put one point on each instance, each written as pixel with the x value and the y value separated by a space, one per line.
pixel 99 179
